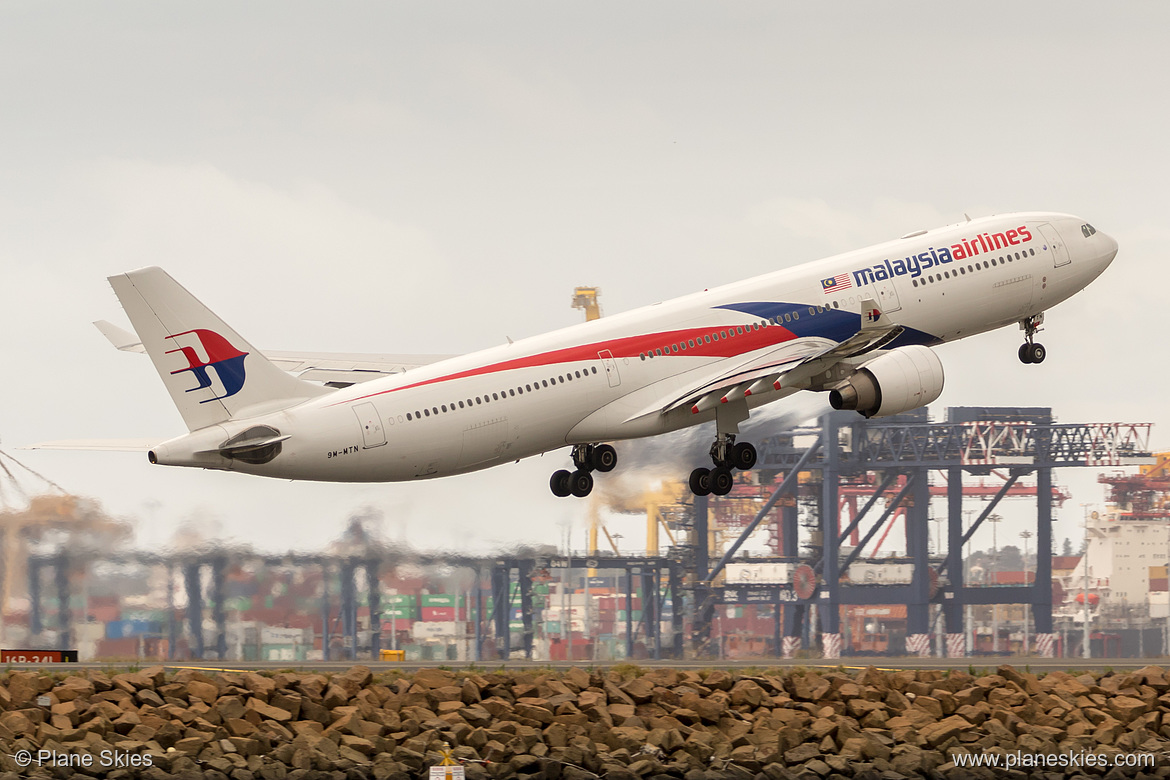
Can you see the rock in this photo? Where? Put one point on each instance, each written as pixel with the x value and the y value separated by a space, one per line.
pixel 748 693
pixel 433 678
pixel 204 691
pixel 268 711
pixel 940 732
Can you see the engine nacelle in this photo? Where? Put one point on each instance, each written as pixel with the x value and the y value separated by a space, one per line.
pixel 898 381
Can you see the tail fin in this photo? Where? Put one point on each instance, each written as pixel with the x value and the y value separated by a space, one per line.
pixel 211 372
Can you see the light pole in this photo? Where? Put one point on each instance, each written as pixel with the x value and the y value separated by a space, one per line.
pixel 970 616
pixel 994 520
pixel 1166 623
pixel 1086 650
pixel 1026 535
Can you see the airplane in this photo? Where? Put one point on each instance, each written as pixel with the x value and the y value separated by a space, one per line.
pixel 858 326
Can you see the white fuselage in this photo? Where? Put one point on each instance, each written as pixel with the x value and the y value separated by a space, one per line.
pixel 613 378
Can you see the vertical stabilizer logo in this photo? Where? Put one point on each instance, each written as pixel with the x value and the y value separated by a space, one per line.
pixel 221 357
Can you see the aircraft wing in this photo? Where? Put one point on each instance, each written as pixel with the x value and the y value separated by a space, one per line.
pixel 328 367
pixel 790 365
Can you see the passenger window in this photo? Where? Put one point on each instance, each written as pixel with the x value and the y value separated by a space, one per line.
pixel 787 317
pixel 796 315
pixel 579 373
pixel 836 305
pixel 444 408
pixel 545 382
pixel 707 339
pixel 723 333
pixel 594 369
pixel 460 404
pixel 691 343
pixel 914 282
pixel 962 270
pixel 408 417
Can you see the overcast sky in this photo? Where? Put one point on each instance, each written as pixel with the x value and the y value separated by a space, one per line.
pixel 437 177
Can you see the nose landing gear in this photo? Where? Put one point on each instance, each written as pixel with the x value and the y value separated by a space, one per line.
pixel 725 455
pixel 1031 352
pixel 587 458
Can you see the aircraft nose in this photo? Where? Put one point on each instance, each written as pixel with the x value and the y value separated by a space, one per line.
pixel 1110 250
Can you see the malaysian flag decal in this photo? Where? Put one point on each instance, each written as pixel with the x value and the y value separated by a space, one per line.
pixel 838 282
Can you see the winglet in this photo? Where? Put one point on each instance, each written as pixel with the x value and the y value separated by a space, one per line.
pixel 121 339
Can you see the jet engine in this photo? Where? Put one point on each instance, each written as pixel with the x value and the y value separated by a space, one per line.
pixel 898 381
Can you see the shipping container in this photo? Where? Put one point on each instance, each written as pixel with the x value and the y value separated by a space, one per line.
pixel 432 614
pixel 400 613
pixel 118 629
pixel 113 649
pixel 438 600
pixel 99 613
pixel 401 599
pixel 284 652
pixel 237 603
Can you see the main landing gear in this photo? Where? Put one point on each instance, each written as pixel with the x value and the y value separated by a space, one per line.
pixel 726 455
pixel 587 458
pixel 1031 352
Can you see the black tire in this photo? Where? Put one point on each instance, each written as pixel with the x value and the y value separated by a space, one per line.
pixel 559 484
pixel 721 481
pixel 743 456
pixel 581 483
pixel 604 458
pixel 1037 353
pixel 701 482
pixel 1025 353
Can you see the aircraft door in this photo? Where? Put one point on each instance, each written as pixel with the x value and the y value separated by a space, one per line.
pixel 887 296
pixel 1056 244
pixel 373 434
pixel 611 371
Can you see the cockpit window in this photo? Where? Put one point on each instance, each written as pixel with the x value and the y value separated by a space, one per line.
pixel 1088 229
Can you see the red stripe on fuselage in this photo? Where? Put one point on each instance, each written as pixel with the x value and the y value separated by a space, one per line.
pixel 630 346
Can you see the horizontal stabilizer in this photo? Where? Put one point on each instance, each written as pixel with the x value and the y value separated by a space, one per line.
pixel 121 339
pixel 105 445
pixel 364 366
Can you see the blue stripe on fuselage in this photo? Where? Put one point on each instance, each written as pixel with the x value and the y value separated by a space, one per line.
pixel 832 324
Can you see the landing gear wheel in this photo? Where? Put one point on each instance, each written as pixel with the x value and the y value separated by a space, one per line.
pixel 701 482
pixel 743 456
pixel 581 483
pixel 1024 353
pixel 721 481
pixel 604 458
pixel 560 483
pixel 1036 353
